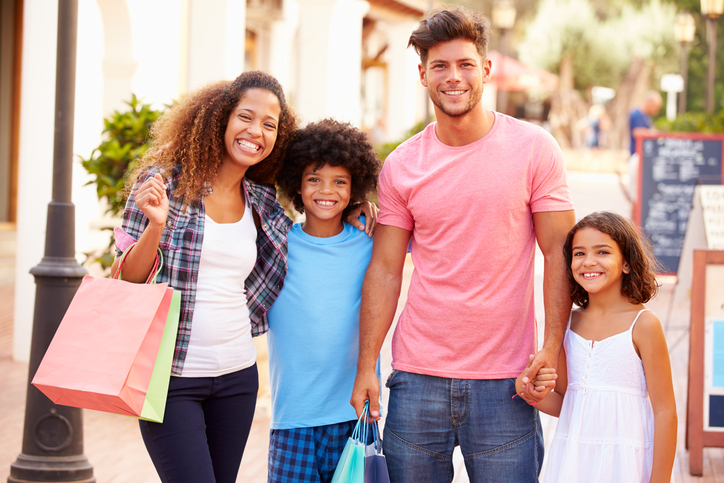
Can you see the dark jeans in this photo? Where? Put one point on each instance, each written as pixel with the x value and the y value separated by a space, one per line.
pixel 205 428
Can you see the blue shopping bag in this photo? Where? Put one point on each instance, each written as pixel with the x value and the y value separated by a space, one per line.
pixel 351 465
pixel 375 463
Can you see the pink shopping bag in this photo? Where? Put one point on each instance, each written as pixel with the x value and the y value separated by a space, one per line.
pixel 104 351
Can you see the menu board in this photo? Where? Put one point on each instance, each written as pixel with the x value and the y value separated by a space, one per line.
pixel 672 164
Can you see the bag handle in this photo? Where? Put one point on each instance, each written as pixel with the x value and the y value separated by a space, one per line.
pixel 155 270
pixel 357 433
pixel 375 431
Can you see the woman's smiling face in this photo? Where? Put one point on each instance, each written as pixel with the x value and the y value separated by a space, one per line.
pixel 252 128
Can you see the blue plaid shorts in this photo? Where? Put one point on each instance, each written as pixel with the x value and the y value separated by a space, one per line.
pixel 307 454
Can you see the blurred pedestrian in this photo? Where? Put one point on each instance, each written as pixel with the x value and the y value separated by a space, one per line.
pixel 639 122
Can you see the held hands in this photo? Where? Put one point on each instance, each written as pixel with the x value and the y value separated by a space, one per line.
pixel 370 211
pixel 152 200
pixel 532 391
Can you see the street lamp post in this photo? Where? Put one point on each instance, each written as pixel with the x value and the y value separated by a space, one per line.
pixel 712 9
pixel 503 19
pixel 684 30
pixel 53 435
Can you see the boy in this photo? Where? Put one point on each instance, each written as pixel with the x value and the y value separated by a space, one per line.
pixel 314 324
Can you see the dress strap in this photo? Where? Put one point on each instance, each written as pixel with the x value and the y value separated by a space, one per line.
pixel 637 317
pixel 568 325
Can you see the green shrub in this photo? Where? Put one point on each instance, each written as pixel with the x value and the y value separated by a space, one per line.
pixel 383 150
pixel 694 122
pixel 125 140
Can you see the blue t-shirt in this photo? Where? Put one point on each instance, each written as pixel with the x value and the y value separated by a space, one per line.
pixel 637 119
pixel 313 333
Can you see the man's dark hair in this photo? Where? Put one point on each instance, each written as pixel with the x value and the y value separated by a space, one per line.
pixel 443 25
pixel 333 143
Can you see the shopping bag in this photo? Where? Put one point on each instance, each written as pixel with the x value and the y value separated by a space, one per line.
pixel 155 404
pixel 105 350
pixel 351 465
pixel 375 463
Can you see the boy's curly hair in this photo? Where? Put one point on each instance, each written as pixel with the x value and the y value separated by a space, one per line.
pixel 329 142
pixel 191 134
pixel 640 284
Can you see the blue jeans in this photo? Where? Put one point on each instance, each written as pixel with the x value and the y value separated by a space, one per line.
pixel 204 429
pixel 500 438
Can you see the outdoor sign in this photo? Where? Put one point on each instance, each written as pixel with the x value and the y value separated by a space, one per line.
pixel 672 164
pixel 705 407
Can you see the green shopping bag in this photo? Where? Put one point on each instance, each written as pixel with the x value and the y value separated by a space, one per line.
pixel 155 403
pixel 351 465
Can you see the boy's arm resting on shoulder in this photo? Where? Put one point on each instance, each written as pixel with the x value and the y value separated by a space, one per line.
pixel 649 338
pixel 368 209
pixel 551 228
pixel 380 291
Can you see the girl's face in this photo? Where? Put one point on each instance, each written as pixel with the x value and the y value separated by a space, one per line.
pixel 252 128
pixel 597 263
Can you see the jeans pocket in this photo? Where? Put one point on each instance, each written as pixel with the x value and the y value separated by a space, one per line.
pixel 390 377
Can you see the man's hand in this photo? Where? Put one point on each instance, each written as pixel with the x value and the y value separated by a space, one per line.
pixel 543 382
pixel 366 388
pixel 533 388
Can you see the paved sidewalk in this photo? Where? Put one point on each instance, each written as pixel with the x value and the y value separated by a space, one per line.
pixel 114 447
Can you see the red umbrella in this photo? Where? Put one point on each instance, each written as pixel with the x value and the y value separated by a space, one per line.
pixel 512 75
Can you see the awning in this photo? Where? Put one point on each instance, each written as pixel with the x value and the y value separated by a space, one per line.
pixel 512 75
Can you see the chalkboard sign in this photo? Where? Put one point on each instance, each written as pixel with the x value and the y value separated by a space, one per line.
pixel 672 164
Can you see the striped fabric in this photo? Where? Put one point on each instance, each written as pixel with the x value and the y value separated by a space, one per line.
pixel 307 454
pixel 181 246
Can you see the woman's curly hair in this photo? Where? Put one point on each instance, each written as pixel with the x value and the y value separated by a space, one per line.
pixel 333 143
pixel 191 134
pixel 640 284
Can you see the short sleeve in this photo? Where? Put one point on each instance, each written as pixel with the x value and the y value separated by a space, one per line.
pixel 393 206
pixel 549 188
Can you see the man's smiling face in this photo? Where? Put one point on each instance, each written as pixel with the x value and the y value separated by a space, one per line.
pixel 454 76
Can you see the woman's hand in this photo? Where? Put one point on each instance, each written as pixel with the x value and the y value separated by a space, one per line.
pixel 152 200
pixel 370 210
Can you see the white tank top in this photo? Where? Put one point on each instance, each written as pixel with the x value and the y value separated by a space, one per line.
pixel 220 340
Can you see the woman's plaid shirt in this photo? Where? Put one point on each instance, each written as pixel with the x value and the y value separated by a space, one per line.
pixel 181 246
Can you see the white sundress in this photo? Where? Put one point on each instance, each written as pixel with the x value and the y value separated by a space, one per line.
pixel 605 432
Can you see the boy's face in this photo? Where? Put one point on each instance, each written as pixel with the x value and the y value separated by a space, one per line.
pixel 325 192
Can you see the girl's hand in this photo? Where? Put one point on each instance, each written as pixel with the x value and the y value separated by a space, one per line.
pixel 546 378
pixel 370 210
pixel 152 200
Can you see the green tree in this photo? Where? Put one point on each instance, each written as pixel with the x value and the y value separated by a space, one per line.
pixel 622 44
pixel 125 140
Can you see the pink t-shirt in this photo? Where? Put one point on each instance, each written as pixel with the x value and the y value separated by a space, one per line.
pixel 469 311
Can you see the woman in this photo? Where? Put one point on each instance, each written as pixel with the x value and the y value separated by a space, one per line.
pixel 206 200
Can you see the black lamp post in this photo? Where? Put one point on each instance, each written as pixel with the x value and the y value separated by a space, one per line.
pixel 53 435
pixel 504 20
pixel 712 9
pixel 684 30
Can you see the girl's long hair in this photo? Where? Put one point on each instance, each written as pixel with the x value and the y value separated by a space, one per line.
pixel 640 284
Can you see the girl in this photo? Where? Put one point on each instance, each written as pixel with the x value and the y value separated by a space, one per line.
pixel 204 195
pixel 614 355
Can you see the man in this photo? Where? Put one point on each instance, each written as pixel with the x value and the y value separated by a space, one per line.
pixel 639 122
pixel 640 118
pixel 473 191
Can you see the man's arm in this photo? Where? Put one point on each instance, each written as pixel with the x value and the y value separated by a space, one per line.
pixel 551 228
pixel 380 292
